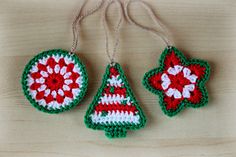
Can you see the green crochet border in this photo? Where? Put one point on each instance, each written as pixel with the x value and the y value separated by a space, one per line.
pixel 117 130
pixel 200 83
pixel 50 53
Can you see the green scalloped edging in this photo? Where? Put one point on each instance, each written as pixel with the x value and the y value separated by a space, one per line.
pixel 200 83
pixel 117 130
pixel 50 53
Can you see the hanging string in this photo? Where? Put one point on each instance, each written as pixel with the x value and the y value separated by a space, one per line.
pixel 163 34
pixel 111 55
pixel 78 19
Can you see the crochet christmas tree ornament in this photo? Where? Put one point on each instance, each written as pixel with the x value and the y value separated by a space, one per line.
pixel 114 109
pixel 178 82
pixel 54 81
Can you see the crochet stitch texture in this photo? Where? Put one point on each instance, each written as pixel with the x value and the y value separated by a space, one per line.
pixel 178 82
pixel 114 109
pixel 54 81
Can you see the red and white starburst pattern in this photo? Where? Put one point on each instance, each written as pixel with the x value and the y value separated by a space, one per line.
pixel 178 81
pixel 55 81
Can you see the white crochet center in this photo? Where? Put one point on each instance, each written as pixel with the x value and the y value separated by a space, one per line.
pixel 186 89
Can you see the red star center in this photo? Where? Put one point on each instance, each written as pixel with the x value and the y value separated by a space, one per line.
pixel 54 81
pixel 178 81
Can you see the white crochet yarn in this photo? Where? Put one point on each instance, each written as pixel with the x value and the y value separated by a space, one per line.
pixel 192 78
pixel 115 117
pixel 115 81
pixel 187 89
pixel 173 92
pixel 166 82
pixel 175 70
pixel 44 74
pixel 114 99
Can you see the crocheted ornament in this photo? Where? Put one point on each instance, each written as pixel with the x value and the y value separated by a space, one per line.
pixel 179 82
pixel 54 81
pixel 114 109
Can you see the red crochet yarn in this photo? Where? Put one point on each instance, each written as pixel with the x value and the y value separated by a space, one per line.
pixel 54 81
pixel 114 108
pixel 178 81
pixel 116 90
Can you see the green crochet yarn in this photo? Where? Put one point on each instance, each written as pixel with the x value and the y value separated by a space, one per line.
pixel 114 109
pixel 54 81
pixel 172 58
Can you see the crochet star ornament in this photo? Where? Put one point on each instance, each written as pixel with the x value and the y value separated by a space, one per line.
pixel 54 81
pixel 178 82
pixel 114 109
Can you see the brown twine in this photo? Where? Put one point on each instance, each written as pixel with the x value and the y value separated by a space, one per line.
pixel 78 19
pixel 163 34
pixel 111 55
pixel 76 25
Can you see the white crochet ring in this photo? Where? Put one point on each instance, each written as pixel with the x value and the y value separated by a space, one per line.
pixel 54 81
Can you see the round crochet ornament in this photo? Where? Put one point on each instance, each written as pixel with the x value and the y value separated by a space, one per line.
pixel 54 81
